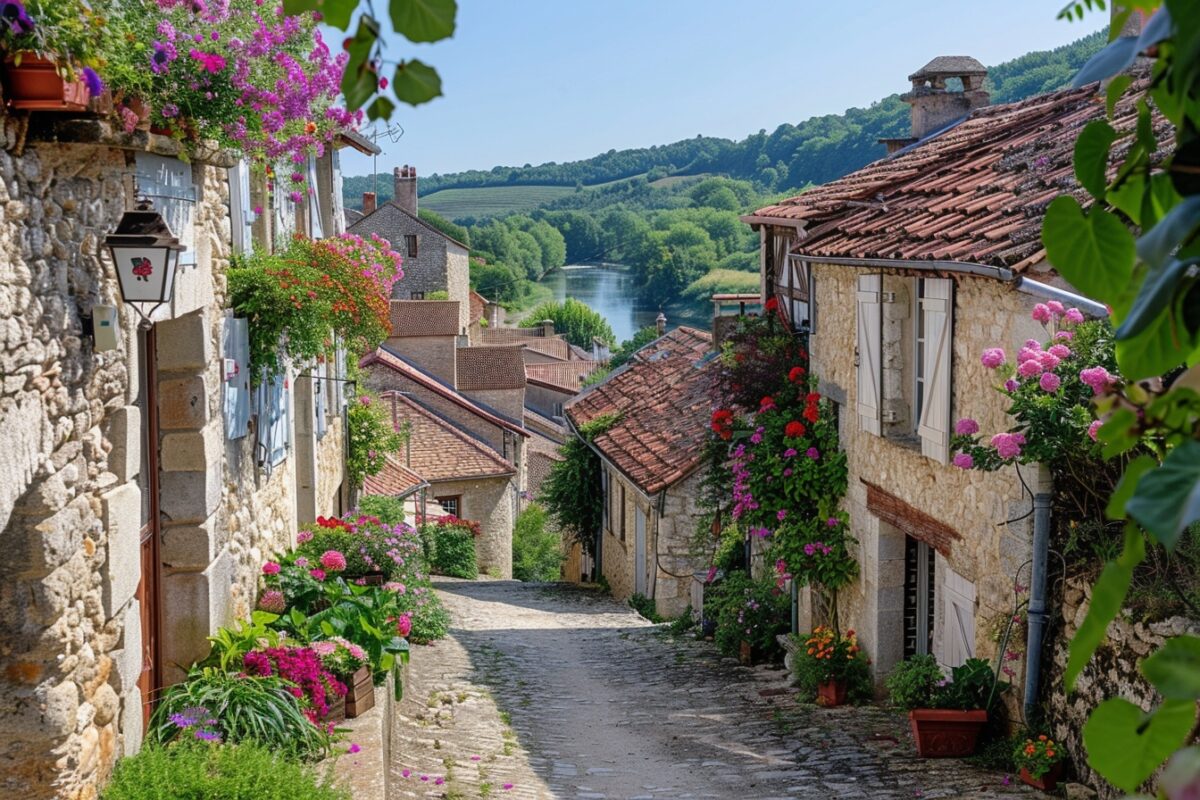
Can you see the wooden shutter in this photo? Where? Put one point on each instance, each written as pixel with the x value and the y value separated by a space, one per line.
pixel 870 340
pixel 236 350
pixel 958 621
pixel 167 183
pixel 241 211
pixel 604 488
pixel 937 310
pixel 337 211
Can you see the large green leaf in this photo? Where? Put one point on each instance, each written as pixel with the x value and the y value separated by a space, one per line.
pixel 423 20
pixel 333 12
pixel 1156 296
pixel 1175 668
pixel 1157 244
pixel 1126 745
pixel 1094 251
pixel 1107 596
pixel 416 82
pixel 1129 481
pixel 360 80
pixel 1108 62
pixel 1167 500
pixel 1091 156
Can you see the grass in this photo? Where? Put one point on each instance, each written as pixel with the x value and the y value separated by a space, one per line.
pixel 487 201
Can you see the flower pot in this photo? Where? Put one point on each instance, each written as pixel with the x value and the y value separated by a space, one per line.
pixel 746 653
pixel 946 733
pixel 337 708
pixel 831 693
pixel 1047 782
pixel 35 85
pixel 360 692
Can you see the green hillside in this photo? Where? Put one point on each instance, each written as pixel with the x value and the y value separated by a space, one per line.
pixel 492 201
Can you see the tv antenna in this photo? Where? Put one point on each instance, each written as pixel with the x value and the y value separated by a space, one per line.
pixel 393 131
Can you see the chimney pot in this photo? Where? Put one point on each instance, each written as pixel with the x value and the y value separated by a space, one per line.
pixel 934 106
pixel 660 322
pixel 405 189
pixel 368 204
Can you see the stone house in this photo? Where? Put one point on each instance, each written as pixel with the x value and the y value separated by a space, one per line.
pixel 550 385
pixel 427 332
pixel 433 262
pixel 143 482
pixel 901 274
pixel 651 456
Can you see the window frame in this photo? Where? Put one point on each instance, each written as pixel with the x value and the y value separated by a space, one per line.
pixel 412 245
pixel 455 499
pixel 416 295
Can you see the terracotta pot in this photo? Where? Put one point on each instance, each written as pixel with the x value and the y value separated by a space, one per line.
pixel 1047 782
pixel 946 733
pixel 360 692
pixel 745 653
pixel 831 693
pixel 35 85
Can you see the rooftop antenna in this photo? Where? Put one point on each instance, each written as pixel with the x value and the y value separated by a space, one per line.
pixel 394 131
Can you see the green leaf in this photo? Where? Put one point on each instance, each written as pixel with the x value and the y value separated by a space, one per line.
pixel 1155 297
pixel 1167 500
pixel 1107 596
pixel 333 12
pixel 424 20
pixel 1091 156
pixel 1175 668
pixel 1094 251
pixel 416 82
pixel 380 108
pixel 1129 481
pixel 1157 244
pixel 1116 88
pixel 1126 746
pixel 359 81
pixel 1117 433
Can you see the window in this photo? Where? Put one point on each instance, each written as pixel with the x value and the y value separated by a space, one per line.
pixel 453 504
pixel 410 242
pixel 417 296
pixel 795 292
pixel 558 409
pixel 919 597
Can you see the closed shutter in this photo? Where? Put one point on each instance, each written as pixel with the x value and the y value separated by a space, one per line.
pixel 339 355
pixel 274 420
pixel 605 524
pixel 319 395
pixel 236 350
pixel 167 183
pixel 937 310
pixel 337 210
pixel 241 213
pixel 869 345
pixel 958 623
pixel 316 229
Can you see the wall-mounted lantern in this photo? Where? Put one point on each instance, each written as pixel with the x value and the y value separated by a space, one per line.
pixel 146 255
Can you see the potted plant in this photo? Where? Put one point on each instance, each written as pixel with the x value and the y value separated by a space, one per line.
pixel 750 615
pixel 830 665
pixel 946 714
pixel 1041 762
pixel 50 48
pixel 352 666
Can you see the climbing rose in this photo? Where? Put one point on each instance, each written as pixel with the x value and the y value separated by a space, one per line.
pixel 964 461
pixel 1041 312
pixel 794 430
pixel 966 427
pixel 1073 316
pixel 333 561
pixel 1094 428
pixel 1050 382
pixel 271 568
pixel 992 357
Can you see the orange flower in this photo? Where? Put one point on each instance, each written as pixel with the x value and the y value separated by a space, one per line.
pixel 1030 749
pixel 1050 754
pixel 1042 738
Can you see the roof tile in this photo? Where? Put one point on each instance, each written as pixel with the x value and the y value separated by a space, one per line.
pixel 424 318
pixel 484 368
pixel 438 450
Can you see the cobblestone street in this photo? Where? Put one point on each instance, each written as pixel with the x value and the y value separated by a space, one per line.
pixel 556 692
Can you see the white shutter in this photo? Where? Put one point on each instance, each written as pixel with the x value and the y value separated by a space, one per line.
pixel 337 211
pixel 241 212
pixel 236 376
pixel 319 394
pixel 167 183
pixel 870 340
pixel 958 619
pixel 937 310
pixel 315 229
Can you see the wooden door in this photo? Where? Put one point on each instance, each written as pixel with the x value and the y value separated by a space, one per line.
pixel 149 588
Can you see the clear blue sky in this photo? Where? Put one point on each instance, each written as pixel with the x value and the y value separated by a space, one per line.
pixel 531 81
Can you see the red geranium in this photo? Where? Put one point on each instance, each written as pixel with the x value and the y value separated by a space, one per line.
pixel 771 304
pixel 794 430
pixel 796 374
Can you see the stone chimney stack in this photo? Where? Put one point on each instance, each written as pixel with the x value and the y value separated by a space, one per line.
pixel 548 328
pixel 368 203
pixel 405 194
pixel 660 322
pixel 935 104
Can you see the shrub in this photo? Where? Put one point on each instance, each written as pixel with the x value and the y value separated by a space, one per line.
pixel 827 656
pixel 1037 756
pixel 387 510
pixel 645 606
pixel 227 772
pixel 918 682
pixel 371 438
pixel 751 611
pixel 453 547
pixel 537 552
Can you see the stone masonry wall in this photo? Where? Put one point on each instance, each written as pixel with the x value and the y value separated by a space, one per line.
pixel 617 557
pixel 490 502
pixel 433 354
pixel 673 532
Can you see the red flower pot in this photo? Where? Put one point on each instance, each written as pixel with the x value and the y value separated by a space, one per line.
pixel 1047 782
pixel 831 693
pixel 360 692
pixel 946 733
pixel 35 85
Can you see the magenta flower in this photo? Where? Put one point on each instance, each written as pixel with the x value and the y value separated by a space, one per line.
pixel 1064 336
pixel 1094 428
pixel 992 357
pixel 1097 378
pixel 781 514
pixel 963 461
pixel 1041 312
pixel 1050 382
pixel 1056 308
pixel 354 748
pixel 1033 344
pixel 1029 369
pixel 1011 385
pixel 319 574
pixel 1073 316
pixel 272 601
pixel 406 773
pixel 303 536
pixel 1008 445
pixel 966 427
pixel 508 787
pixel 1060 351
pixel 271 568
pixel 813 453
pixel 333 561
pixel 789 453
pixel 833 522
pixel 1048 360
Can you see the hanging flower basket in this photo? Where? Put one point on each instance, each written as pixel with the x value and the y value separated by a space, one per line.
pixel 35 85
pixel 360 693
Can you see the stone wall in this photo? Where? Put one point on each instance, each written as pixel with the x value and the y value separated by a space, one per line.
pixel 1113 672
pixel 547 402
pixel 673 532
pixel 617 556
pixel 433 354
pixel 458 282
pixel 976 506
pixel 492 503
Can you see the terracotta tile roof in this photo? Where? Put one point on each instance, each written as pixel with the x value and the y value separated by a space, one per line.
pixel 385 358
pixel 424 318
pixel 662 398
pixel 394 480
pixel 562 376
pixel 503 335
pixel 479 305
pixel 555 348
pixel 438 450
pixel 975 193
pixel 483 368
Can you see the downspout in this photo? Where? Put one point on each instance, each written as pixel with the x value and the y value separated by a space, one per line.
pixel 1037 600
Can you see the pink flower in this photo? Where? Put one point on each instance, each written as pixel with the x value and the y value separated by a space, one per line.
pixel 1027 354
pixel 404 624
pixel 1050 382
pixel 1033 344
pixel 333 561
pixel 1048 360
pixel 1011 385
pixel 1094 429
pixel 272 601
pixel 992 357
pixel 813 453
pixel 1029 369
pixel 1056 308
pixel 963 461
pixel 781 514
pixel 1061 351
pixel 1064 336
pixel 1097 378
pixel 406 773
pixel 966 427
pixel 354 748
pixel 1041 312
pixel 365 400
pixel 319 574
pixel 1073 315
pixel 833 522
pixel 303 536
pixel 507 787
pixel 271 568
pixel 1008 445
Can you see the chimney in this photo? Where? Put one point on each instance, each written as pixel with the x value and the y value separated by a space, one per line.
pixel 405 194
pixel 660 322
pixel 934 104
pixel 368 203
pixel 548 328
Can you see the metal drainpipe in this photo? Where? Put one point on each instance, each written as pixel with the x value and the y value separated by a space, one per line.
pixel 1037 600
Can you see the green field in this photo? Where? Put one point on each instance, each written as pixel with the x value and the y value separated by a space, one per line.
pixel 489 201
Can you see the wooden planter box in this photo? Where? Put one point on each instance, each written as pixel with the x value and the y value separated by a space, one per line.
pixel 1048 782
pixel 337 708
pixel 360 692
pixel 945 733
pixel 35 85
pixel 831 694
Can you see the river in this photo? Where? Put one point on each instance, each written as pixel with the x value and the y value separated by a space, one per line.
pixel 609 290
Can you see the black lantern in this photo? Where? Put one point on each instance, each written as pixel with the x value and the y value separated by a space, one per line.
pixel 146 255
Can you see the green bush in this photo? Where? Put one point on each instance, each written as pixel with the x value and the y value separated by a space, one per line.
pixel 809 672
pixel 227 772
pixel 537 552
pixel 389 510
pixel 645 606
pixel 919 682
pixel 453 549
pixel 748 610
